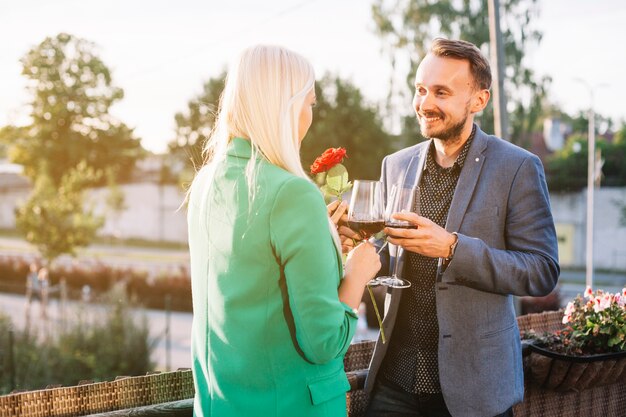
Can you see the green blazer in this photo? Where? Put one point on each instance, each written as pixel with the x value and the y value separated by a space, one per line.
pixel 269 332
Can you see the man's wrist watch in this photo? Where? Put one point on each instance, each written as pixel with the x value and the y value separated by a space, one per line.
pixel 453 247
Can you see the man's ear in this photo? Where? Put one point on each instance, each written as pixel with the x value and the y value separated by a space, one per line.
pixel 480 100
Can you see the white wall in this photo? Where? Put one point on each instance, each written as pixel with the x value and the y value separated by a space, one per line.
pixel 609 241
pixel 152 213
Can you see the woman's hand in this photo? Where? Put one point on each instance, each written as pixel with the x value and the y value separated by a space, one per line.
pixel 337 211
pixel 362 265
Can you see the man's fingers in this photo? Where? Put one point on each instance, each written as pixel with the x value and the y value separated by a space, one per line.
pixel 394 232
pixel 410 217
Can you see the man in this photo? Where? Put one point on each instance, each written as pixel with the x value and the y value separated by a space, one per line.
pixel 485 233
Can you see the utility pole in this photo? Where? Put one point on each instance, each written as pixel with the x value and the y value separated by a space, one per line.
pixel 591 175
pixel 500 115
pixel 591 171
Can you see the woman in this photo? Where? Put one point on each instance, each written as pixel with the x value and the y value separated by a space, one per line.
pixel 272 316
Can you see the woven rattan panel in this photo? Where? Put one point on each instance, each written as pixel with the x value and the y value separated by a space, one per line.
pixel 87 399
pixel 606 401
pixel 358 357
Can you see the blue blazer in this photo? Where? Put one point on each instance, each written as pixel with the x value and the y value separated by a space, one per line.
pixel 507 246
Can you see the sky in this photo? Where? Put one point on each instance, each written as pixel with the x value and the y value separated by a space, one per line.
pixel 161 52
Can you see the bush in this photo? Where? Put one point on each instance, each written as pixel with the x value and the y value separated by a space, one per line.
pixel 100 348
pixel 100 278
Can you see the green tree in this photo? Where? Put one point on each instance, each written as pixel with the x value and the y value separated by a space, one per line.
pixel 72 91
pixel 194 126
pixel 407 27
pixel 567 168
pixel 54 218
pixel 342 118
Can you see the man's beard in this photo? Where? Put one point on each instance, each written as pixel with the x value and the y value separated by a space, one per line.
pixel 452 133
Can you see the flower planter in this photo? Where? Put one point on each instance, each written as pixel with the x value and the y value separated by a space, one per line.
pixel 560 372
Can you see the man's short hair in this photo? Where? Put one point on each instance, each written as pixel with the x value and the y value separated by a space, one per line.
pixel 458 49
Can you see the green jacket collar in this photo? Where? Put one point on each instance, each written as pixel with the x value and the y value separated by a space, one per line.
pixel 239 147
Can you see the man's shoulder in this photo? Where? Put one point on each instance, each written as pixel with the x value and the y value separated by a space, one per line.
pixel 407 153
pixel 503 149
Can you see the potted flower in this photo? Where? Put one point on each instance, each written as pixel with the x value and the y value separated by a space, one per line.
pixel 590 349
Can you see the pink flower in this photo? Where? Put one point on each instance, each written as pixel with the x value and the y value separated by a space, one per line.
pixel 569 309
pixel 602 303
pixel 567 318
pixel 589 293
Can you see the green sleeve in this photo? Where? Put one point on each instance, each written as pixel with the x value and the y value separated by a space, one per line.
pixel 324 326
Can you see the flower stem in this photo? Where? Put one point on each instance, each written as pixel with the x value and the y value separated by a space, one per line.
pixel 380 322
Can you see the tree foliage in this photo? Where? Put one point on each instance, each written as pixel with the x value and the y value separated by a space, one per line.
pixel 407 28
pixel 567 168
pixel 54 218
pixel 194 126
pixel 341 118
pixel 72 91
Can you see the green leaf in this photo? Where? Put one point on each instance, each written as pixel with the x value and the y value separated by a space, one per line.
pixel 614 341
pixel 337 178
pixel 329 192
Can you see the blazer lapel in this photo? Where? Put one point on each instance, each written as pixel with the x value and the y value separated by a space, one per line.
pixel 415 168
pixel 467 181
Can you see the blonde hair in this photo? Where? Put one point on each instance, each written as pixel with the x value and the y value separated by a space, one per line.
pixel 262 100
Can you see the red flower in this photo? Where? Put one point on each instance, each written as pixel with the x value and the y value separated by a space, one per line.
pixel 330 158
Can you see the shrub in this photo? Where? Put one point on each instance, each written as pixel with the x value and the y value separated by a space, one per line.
pixel 97 348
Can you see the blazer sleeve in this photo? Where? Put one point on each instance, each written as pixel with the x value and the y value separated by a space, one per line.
pixel 324 326
pixel 529 263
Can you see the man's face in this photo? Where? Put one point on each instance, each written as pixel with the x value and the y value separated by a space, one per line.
pixel 444 97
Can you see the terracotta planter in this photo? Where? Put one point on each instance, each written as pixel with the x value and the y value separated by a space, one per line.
pixel 559 372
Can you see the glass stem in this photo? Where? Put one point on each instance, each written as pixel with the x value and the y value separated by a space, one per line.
pixel 395 265
pixel 381 248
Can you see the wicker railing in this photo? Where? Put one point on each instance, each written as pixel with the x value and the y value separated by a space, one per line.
pixel 171 393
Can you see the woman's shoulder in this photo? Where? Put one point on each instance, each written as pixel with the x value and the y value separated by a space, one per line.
pixel 282 181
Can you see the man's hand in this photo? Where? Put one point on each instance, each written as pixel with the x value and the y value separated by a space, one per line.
pixel 338 214
pixel 428 238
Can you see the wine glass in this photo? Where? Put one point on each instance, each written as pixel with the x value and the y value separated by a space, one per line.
pixel 402 198
pixel 365 213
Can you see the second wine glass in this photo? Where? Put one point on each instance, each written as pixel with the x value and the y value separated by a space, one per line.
pixel 402 198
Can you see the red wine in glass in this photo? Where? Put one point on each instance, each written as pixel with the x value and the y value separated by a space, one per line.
pixel 366 211
pixel 366 228
pixel 399 225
